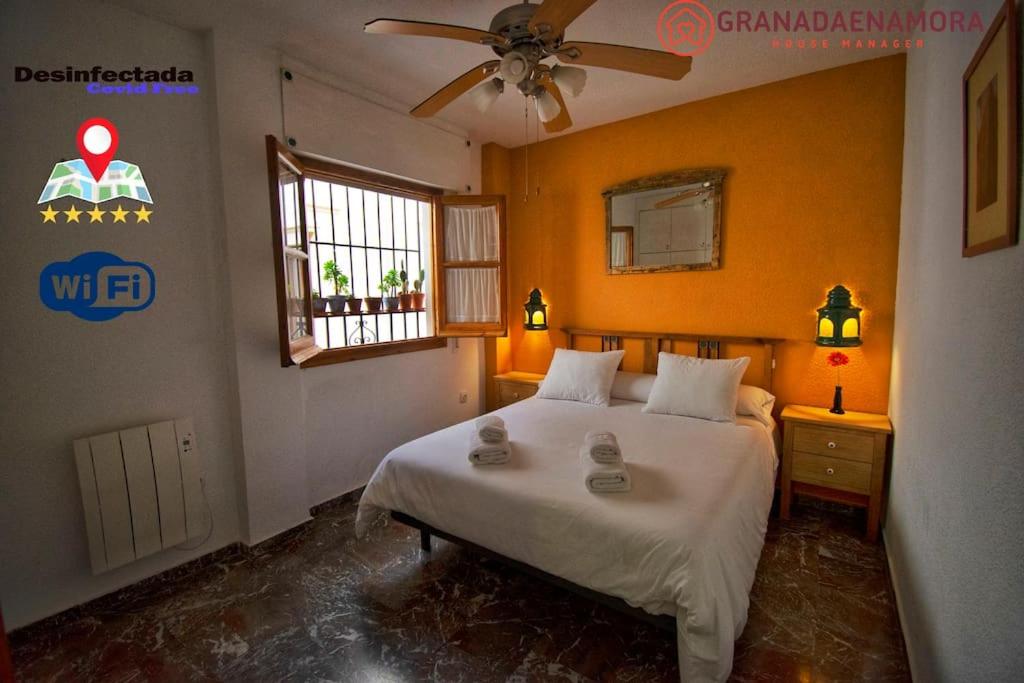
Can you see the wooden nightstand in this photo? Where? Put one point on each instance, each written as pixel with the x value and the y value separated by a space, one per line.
pixel 515 386
pixel 835 457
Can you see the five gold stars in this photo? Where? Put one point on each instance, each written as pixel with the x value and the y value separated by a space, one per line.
pixel 96 214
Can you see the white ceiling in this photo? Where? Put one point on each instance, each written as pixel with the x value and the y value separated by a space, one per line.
pixel 405 70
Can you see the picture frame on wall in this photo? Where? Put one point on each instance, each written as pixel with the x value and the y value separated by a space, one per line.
pixel 991 179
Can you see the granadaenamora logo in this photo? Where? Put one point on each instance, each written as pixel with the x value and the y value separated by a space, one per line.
pixel 686 27
pixel 100 80
pixel 849 21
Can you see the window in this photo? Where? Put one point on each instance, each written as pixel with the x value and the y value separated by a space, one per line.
pixel 291 255
pixel 472 291
pixel 339 231
pixel 365 234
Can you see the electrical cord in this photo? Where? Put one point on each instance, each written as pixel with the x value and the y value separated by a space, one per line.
pixel 209 516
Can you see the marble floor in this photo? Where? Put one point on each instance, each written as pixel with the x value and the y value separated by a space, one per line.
pixel 319 605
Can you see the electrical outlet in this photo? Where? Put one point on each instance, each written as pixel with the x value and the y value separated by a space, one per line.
pixel 463 396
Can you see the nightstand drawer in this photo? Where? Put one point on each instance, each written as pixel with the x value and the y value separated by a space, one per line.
pixel 834 473
pixel 834 443
pixel 509 392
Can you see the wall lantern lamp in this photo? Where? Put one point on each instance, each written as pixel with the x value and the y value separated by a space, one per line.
pixel 839 320
pixel 536 312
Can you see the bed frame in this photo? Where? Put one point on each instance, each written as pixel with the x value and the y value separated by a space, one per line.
pixel 709 347
pixel 426 531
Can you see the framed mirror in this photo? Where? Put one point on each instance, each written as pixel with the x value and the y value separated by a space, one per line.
pixel 665 222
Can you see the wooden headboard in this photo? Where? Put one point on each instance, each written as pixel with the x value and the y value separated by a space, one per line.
pixel 700 345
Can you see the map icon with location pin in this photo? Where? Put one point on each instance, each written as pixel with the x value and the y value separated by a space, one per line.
pixel 96 177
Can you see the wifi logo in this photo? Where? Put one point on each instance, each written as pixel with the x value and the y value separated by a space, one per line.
pixel 97 286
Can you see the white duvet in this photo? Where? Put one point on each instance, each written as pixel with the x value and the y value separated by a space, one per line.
pixel 684 542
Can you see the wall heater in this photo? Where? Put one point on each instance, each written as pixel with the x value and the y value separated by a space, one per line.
pixel 141 491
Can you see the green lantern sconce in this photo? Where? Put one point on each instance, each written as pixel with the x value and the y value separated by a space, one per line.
pixel 536 312
pixel 839 320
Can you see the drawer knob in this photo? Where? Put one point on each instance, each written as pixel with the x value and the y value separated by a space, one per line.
pixel 829 471
pixel 831 444
pixel 515 394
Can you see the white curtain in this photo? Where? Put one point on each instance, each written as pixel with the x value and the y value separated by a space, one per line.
pixel 619 249
pixel 471 233
pixel 472 295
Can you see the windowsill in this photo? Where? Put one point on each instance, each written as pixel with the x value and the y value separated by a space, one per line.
pixel 347 314
pixel 345 355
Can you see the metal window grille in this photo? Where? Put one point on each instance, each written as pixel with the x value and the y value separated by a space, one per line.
pixel 366 233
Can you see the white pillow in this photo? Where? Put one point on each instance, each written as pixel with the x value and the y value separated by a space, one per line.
pixel 695 387
pixel 581 376
pixel 757 403
pixel 750 401
pixel 632 386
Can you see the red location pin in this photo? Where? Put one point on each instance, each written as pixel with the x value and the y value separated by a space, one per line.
pixel 97 142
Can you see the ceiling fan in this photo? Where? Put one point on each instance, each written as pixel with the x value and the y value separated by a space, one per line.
pixel 523 36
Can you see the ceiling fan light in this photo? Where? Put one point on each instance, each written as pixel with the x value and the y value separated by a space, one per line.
pixel 514 67
pixel 570 78
pixel 547 106
pixel 484 96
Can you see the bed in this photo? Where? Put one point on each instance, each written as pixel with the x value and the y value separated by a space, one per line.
pixel 684 543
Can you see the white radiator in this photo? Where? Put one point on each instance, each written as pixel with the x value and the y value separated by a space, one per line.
pixel 141 491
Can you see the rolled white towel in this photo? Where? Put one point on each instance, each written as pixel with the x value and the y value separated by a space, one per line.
pixel 484 453
pixel 605 478
pixel 602 447
pixel 491 429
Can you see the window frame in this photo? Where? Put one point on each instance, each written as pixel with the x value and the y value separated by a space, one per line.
pixel 293 352
pixel 442 328
pixel 309 354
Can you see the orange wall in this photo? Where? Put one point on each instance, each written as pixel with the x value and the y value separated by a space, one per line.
pixel 811 199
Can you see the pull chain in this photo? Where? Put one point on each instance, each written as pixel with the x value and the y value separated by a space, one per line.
pixel 526 149
pixel 536 138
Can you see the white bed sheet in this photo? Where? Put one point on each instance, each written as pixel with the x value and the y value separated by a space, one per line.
pixel 685 541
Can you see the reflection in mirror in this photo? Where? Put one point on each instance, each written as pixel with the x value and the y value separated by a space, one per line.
pixel 667 222
pixel 622 245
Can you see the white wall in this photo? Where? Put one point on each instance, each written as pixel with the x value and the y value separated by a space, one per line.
pixel 274 441
pixel 311 435
pixel 955 524
pixel 64 378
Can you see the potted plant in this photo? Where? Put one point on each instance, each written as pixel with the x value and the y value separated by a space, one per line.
pixel 354 304
pixel 319 304
pixel 374 304
pixel 333 274
pixel 418 296
pixel 389 287
pixel 405 298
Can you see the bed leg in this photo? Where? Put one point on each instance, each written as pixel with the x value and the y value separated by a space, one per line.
pixel 424 540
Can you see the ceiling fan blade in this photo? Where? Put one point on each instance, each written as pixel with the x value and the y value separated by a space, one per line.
pixel 563 120
pixel 678 198
pixel 636 60
pixel 554 15
pixel 443 97
pixel 426 28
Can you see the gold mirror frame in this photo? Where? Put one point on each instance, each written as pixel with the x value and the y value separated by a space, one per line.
pixel 690 176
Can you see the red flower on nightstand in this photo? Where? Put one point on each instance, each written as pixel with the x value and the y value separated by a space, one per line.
pixel 837 359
